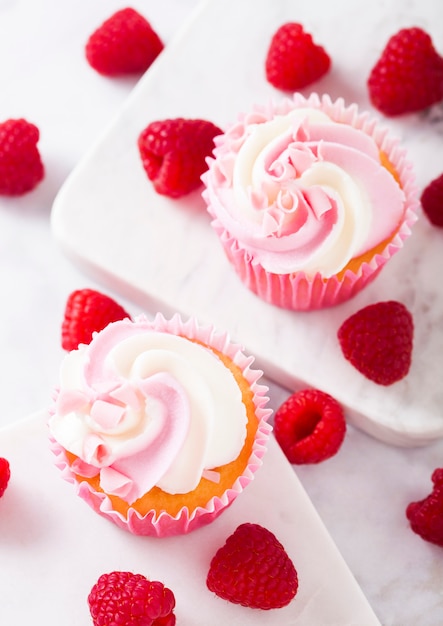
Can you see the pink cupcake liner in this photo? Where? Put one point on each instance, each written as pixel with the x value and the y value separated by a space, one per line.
pixel 162 524
pixel 299 291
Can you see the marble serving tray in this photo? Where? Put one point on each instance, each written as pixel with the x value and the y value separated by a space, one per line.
pixel 57 547
pixel 164 256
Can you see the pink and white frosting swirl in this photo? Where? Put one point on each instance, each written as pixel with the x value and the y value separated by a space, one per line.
pixel 143 408
pixel 300 191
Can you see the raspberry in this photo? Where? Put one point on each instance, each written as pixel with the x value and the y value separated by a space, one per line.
pixel 293 60
pixel 408 77
pixel 253 569
pixel 124 44
pixel 426 516
pixel 378 340
pixel 21 168
pixel 87 311
pixel 5 475
pixel 309 426
pixel 174 151
pixel 432 201
pixel 129 599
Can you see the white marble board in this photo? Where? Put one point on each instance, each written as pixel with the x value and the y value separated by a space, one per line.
pixel 163 255
pixel 46 532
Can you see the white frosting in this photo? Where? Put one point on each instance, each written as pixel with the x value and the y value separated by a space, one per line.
pixel 302 192
pixel 145 408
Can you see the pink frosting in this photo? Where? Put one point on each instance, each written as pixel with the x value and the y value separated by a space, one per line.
pixel 141 460
pixel 300 191
pixel 141 408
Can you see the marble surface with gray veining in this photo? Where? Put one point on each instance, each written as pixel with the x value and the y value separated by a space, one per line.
pixel 194 276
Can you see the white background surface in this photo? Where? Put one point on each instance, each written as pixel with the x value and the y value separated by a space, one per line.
pixel 45 78
pixel 361 493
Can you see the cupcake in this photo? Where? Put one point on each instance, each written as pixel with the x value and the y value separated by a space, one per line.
pixel 159 424
pixel 310 199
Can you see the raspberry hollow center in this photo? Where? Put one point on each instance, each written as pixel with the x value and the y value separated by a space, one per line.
pixel 306 424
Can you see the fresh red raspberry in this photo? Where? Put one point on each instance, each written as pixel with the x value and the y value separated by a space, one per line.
pixel 129 599
pixel 86 312
pixel 378 341
pixel 253 569
pixel 174 151
pixel 124 44
pixel 5 475
pixel 309 426
pixel 426 516
pixel 408 77
pixel 293 60
pixel 432 201
pixel 21 168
